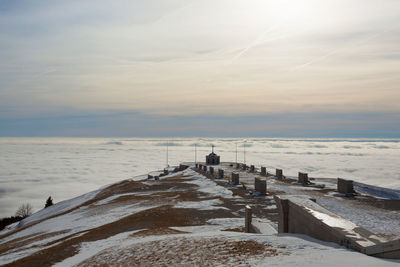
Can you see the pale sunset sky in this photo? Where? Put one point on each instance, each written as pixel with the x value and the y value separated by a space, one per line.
pixel 299 68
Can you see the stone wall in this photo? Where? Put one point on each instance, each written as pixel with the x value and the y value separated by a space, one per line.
pixel 294 217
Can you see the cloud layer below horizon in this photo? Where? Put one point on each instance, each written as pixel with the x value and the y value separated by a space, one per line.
pixel 260 59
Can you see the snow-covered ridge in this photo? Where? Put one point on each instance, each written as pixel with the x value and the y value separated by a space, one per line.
pixel 125 222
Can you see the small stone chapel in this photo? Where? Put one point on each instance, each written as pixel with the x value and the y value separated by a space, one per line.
pixel 212 158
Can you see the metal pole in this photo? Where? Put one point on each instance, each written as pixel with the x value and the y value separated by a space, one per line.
pixel 167 154
pixel 195 153
pixel 244 152
pixel 236 154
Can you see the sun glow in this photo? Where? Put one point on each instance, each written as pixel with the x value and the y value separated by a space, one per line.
pixel 297 13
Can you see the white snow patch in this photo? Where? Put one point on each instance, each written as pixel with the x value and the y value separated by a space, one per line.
pixel 201 205
pixel 206 185
pixel 89 249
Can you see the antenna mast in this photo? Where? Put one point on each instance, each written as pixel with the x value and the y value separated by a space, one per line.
pixel 236 154
pixel 244 152
pixel 167 154
pixel 195 153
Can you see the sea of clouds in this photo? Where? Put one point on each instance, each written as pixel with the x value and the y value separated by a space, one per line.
pixel 31 169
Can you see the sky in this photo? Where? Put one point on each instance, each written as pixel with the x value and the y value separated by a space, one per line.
pixel 200 68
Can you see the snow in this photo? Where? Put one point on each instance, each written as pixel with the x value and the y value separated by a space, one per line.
pixel 206 185
pixel 299 249
pixel 264 226
pixel 55 209
pixel 201 205
pixel 374 220
pixel 376 191
pixel 89 249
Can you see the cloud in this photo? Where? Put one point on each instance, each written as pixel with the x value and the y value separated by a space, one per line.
pixel 165 58
pixel 131 124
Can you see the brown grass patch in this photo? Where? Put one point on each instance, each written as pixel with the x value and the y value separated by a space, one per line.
pixel 158 231
pixel 160 217
pixel 185 252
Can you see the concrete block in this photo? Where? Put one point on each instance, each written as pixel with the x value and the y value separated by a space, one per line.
pixel 279 174
pixel 263 171
pixel 260 186
pixel 345 186
pixel 248 218
pixel 303 178
pixel 220 173
pixel 252 168
pixel 235 178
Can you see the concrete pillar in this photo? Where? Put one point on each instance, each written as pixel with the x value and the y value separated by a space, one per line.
pixel 197 165
pixel 235 178
pixel 345 186
pixel 247 220
pixel 220 173
pixel 205 168
pixel 279 174
pixel 252 168
pixel 237 165
pixel 211 169
pixel 303 178
pixel 283 211
pixel 263 171
pixel 260 186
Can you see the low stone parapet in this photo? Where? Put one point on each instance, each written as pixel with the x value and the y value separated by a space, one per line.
pixel 260 186
pixel 303 178
pixel 263 171
pixel 252 168
pixel 235 178
pixel 279 174
pixel 220 173
pixel 345 186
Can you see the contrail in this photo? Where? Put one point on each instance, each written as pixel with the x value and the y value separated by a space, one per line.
pixel 334 51
pixel 255 42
